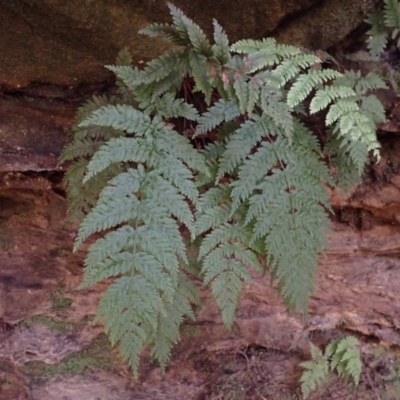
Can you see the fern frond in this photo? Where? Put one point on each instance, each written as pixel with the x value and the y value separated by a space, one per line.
pixel 176 172
pixel 305 83
pixel 188 29
pixel 166 334
pixel 169 107
pixel 371 81
pixel 118 150
pixel 243 140
pixel 316 372
pixel 170 142
pixel 166 194
pixel 129 76
pixel 273 104
pixel 201 72
pixel 255 168
pixel 345 357
pixel 326 95
pixel 121 117
pixel 290 68
pixel 224 233
pixel 80 148
pixel 106 215
pixel 377 35
pixel 283 203
pixel 163 66
pixel 242 92
pixel 167 31
pixel 250 46
pixel 340 108
pixel 135 181
pixel 221 111
pixel 214 197
pixel 131 300
pixel 213 217
pixel 392 14
pixel 373 108
pixel 220 49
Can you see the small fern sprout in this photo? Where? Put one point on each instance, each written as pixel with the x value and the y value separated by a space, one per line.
pixel 342 356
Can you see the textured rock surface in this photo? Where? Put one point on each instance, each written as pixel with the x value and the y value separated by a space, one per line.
pixel 67 43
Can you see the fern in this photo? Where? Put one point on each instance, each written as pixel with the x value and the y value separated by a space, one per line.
pixel 385 26
pixel 341 355
pixel 316 371
pixel 252 195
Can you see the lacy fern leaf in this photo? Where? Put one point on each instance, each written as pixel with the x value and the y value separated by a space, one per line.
pixel 204 143
pixel 341 355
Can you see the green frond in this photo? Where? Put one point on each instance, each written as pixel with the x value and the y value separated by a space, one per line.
pixel 224 233
pixel 290 68
pixel 124 58
pixel 200 71
pixel 170 142
pixel 358 154
pixel 345 357
pixel 339 108
pixel 79 148
pixel 305 83
pixel 189 290
pixel 107 215
pixel 220 49
pixel 251 190
pixel 259 60
pixel 371 81
pixel 82 197
pixel 108 246
pixel 221 111
pixel 213 217
pixel 118 150
pixel 133 305
pixel 126 262
pixel 168 196
pixel 173 61
pixel 250 46
pixel 254 169
pixel 325 96
pixel 123 117
pixel 167 106
pixel 376 20
pixel 372 107
pixel 166 335
pixel 226 289
pixel 129 76
pixel 91 105
pixel 214 197
pixel 242 92
pixel 188 29
pixel 249 134
pixel 176 172
pixel 273 104
pixel 392 14
pixel 316 372
pixel 158 218
pixel 167 32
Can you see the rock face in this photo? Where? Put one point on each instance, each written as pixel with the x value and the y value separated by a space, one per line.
pixel 68 42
